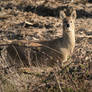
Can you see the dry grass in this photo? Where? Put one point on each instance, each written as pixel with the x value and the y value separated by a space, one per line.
pixel 76 77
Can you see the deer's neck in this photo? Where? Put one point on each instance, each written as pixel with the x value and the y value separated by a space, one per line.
pixel 69 38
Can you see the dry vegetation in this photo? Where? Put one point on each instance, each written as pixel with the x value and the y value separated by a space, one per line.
pixel 39 20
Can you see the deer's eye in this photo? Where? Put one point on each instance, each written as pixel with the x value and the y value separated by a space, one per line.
pixel 68 25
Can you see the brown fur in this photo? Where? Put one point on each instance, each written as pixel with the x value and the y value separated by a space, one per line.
pixel 55 50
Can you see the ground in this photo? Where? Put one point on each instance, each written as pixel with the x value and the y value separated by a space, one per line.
pixel 39 20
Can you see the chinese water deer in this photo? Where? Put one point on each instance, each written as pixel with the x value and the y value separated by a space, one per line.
pixel 56 50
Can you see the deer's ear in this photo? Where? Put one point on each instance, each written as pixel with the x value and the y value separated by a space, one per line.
pixel 62 14
pixel 73 14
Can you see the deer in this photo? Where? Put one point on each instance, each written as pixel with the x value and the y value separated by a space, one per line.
pixel 57 50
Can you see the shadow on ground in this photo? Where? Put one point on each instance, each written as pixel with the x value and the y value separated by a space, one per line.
pixel 54 12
